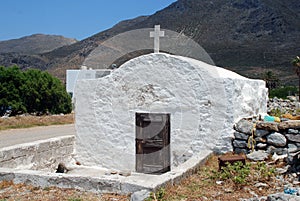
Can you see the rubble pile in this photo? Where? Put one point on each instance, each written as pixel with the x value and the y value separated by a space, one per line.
pixel 289 105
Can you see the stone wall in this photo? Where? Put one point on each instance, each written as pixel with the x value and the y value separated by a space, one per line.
pixel 39 155
pixel 269 137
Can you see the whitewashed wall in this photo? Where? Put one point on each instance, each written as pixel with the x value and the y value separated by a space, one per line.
pixel 203 100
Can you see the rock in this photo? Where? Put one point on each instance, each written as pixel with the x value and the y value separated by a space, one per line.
pixel 289 124
pixel 244 126
pixel 62 168
pixel 257 155
pixel 293 138
pixel 283 197
pixel 261 132
pixel 292 98
pixel 239 143
pixel 241 136
pixel 125 173
pixel 292 148
pixel 260 139
pixel 261 145
pixel 279 151
pixel 270 126
pixel 271 150
pixel 140 195
pixel 260 184
pixel 276 157
pixel 293 131
pixel 281 171
pixel 276 139
pixel 241 151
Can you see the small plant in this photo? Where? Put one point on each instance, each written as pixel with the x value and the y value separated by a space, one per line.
pixel 276 112
pixel 236 172
pixel 75 199
pixel 264 172
pixel 158 196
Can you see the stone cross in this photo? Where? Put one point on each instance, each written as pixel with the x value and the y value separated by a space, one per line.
pixel 156 34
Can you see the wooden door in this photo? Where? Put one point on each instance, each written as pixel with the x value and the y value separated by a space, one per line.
pixel 152 143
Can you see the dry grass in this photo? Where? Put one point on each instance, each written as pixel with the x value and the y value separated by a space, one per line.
pixel 203 185
pixel 21 192
pixel 27 121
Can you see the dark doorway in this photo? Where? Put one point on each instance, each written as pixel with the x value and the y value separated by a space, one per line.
pixel 152 143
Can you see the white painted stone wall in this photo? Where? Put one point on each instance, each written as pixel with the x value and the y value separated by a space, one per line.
pixel 39 155
pixel 203 101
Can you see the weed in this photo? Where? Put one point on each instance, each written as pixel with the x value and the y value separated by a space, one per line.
pixel 264 172
pixel 46 189
pixel 276 112
pixel 158 196
pixel 236 172
pixel 75 199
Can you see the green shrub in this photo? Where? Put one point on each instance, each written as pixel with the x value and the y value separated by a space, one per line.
pixel 283 92
pixel 32 91
pixel 236 172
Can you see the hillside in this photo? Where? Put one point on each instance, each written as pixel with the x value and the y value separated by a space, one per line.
pixel 34 44
pixel 246 36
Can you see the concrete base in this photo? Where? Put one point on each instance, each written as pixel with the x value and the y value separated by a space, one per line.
pixel 98 179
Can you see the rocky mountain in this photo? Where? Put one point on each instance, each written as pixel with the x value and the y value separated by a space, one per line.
pixel 35 44
pixel 246 36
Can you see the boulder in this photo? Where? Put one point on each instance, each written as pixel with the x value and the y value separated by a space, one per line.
pixel 293 138
pixel 261 132
pixel 240 136
pixel 293 131
pixel 244 126
pixel 258 155
pixel 293 148
pixel 270 126
pixel 293 124
pixel 276 139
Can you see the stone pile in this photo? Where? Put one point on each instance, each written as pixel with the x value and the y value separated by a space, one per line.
pixel 269 137
pixel 289 105
pixel 281 141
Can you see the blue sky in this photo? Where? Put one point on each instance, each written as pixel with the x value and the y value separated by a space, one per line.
pixel 71 18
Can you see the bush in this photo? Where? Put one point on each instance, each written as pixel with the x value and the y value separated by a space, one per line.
pixel 283 92
pixel 32 91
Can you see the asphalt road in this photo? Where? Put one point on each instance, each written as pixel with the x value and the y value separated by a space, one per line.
pixel 20 136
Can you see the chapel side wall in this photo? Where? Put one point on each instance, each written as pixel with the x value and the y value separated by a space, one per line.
pixel 244 98
pixel 85 122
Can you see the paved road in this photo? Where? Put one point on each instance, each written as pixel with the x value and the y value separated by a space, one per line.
pixel 19 136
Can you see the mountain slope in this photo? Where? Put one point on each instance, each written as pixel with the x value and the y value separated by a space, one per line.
pixel 35 44
pixel 246 36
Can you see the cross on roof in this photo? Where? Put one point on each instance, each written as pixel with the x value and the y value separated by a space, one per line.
pixel 156 34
